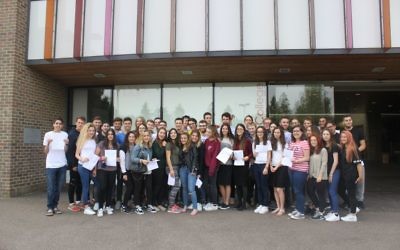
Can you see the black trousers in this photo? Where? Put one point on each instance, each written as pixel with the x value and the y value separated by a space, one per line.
pixel 106 180
pixel 74 186
pixel 128 188
pixel 138 181
pixel 159 186
pixel 317 192
pixel 347 188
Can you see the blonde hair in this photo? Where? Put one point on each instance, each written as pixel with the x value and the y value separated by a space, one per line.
pixel 141 142
pixel 84 136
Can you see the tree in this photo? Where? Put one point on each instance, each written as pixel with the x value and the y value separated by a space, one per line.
pixel 145 112
pixel 312 101
pixel 284 104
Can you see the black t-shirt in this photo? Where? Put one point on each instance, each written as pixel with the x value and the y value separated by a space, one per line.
pixel 358 135
pixel 334 149
pixel 348 168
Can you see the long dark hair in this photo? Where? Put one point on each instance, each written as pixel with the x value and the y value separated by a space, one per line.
pixel 328 144
pixel 241 141
pixel 126 140
pixel 230 135
pixel 113 142
pixel 158 140
pixel 172 141
pixel 274 141
pixel 265 137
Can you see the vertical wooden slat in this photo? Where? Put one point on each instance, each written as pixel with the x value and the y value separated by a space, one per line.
pixel 207 24
pixel 173 27
pixel 78 29
pixel 387 36
pixel 348 20
pixel 276 24
pixel 140 27
pixel 49 30
pixel 108 28
pixel 311 16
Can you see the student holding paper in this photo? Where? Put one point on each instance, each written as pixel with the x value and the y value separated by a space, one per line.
pixel 212 147
pixel 226 168
pixel 300 167
pixel 197 142
pixel 172 156
pixel 188 171
pixel 106 171
pixel 262 153
pixel 158 175
pixel 55 144
pixel 279 171
pixel 85 150
pixel 241 173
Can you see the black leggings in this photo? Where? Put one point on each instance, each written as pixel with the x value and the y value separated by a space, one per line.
pixel 159 186
pixel 119 184
pixel 316 191
pixel 74 186
pixel 348 183
pixel 106 180
pixel 128 188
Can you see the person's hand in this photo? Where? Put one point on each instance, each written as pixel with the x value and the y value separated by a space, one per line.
pixel 164 143
pixel 330 178
pixel 265 171
pixel 125 177
pixel 273 169
pixel 75 169
pixel 145 162
pixel 359 180
pixel 94 172
pixel 66 141
pixel 319 179
pixel 49 141
pixel 172 173
pixel 84 159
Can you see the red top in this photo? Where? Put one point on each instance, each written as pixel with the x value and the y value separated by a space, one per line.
pixel 298 153
pixel 212 149
pixel 247 150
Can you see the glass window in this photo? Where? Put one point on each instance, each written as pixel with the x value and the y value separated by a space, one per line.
pixel 137 100
pixel 186 99
pixel 37 23
pixel 90 102
pixel 240 99
pixel 301 101
pixel 94 28
pixel 65 29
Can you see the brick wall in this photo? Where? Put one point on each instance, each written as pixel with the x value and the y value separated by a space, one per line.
pixel 27 100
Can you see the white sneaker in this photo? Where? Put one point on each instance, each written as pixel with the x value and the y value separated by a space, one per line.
pixel 257 210
pixel 199 207
pixel 190 206
pixel 214 207
pixel 207 207
pixel 100 213
pixel 350 218
pixel 109 210
pixel 263 210
pixel 151 209
pixel 89 211
pixel 332 217
pixel 357 210
pixel 96 206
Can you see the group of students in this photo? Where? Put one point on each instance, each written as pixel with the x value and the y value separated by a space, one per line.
pixel 311 165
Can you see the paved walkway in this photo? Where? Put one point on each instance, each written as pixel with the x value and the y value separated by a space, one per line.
pixel 24 226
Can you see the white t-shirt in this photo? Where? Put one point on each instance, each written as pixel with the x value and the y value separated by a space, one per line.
pixel 277 154
pixel 88 149
pixel 262 157
pixel 56 156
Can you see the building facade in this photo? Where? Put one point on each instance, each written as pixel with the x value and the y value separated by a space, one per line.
pixel 169 58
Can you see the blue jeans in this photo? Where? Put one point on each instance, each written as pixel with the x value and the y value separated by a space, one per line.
pixel 298 183
pixel 333 191
pixel 262 184
pixel 188 181
pixel 55 182
pixel 85 179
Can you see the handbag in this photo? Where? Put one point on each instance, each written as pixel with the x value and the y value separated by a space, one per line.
pixel 139 167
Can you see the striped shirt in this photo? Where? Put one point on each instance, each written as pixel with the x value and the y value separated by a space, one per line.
pixel 298 153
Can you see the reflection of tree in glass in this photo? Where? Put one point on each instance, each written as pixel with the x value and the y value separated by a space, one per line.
pixel 179 111
pixel 145 112
pixel 99 103
pixel 313 101
pixel 280 107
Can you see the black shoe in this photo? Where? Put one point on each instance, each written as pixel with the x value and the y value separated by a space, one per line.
pixel 309 211
pixel 223 206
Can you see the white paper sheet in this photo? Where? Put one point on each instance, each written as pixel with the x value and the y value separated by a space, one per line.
pixel 224 155
pixel 89 165
pixel 57 145
pixel 199 183
pixel 171 180
pixel 287 162
pixel 239 158
pixel 111 157
pixel 152 165
pixel 288 153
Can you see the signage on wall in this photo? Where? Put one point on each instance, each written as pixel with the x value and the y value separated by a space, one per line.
pixel 32 136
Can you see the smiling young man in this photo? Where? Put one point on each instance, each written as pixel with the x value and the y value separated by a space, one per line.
pixel 55 143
